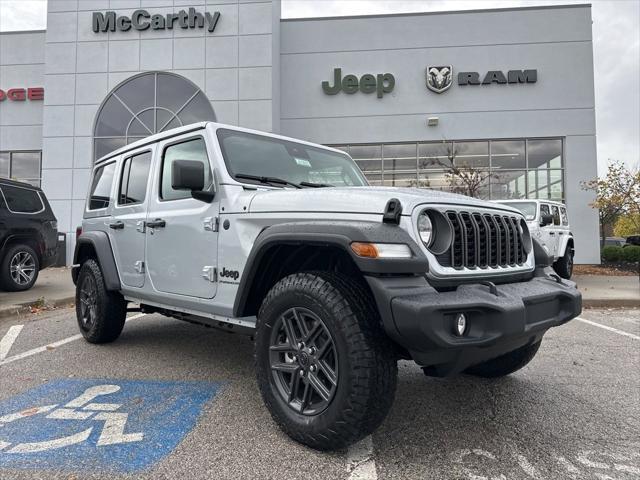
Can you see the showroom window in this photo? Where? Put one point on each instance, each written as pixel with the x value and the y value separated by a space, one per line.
pixel 487 169
pixel 21 166
pixel 146 104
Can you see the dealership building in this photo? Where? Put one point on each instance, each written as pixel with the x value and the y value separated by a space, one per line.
pixel 507 95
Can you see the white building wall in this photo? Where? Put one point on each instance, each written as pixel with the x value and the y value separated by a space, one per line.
pixel 233 66
pixel 555 40
pixel 21 66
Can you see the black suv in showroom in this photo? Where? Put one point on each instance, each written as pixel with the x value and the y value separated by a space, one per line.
pixel 28 235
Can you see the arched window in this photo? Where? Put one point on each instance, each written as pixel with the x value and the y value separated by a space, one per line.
pixel 146 104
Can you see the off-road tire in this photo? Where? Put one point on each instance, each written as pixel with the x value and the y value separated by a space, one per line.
pixel 367 360
pixel 564 265
pixel 505 364
pixel 110 307
pixel 7 283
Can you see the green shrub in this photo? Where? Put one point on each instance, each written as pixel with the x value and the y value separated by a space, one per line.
pixel 631 254
pixel 612 253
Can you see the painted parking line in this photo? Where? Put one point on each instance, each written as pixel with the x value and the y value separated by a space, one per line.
pixel 611 329
pixel 8 340
pixel 50 346
pixel 93 425
pixel 361 464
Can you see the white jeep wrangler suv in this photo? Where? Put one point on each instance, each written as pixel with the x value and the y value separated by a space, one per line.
pixel 549 224
pixel 337 280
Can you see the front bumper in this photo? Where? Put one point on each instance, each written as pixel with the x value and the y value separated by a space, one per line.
pixel 421 319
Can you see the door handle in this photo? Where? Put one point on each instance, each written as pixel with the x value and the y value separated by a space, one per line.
pixel 119 225
pixel 157 223
pixel 552 233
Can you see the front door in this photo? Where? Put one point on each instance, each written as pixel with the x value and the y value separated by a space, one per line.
pixel 182 237
pixel 126 226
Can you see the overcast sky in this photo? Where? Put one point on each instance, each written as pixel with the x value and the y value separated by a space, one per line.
pixel 616 43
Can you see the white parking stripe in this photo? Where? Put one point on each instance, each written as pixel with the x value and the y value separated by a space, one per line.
pixel 8 340
pixel 51 346
pixel 611 329
pixel 360 462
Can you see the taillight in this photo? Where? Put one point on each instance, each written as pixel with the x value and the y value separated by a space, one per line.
pixel 78 232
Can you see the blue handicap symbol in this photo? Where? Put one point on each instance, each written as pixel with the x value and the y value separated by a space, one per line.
pixel 97 425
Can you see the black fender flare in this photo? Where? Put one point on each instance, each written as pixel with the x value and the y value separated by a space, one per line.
pixel 28 235
pixel 337 234
pixel 102 246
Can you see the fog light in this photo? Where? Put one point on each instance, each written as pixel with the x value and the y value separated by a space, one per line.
pixel 461 324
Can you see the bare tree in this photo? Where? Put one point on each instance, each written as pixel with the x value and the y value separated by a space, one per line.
pixel 461 176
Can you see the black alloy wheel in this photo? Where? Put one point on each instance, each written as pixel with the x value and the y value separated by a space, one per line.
pixel 88 303
pixel 304 361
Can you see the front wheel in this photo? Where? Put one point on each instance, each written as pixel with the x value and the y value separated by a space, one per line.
pixel 100 313
pixel 325 369
pixel 505 364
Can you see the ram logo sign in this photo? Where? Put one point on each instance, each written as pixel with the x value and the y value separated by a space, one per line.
pixel 439 79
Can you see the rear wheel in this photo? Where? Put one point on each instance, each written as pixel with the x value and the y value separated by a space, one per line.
pixel 564 265
pixel 100 313
pixel 19 268
pixel 325 368
pixel 505 364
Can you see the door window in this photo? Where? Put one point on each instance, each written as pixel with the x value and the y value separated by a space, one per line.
pixel 194 149
pixel 22 200
pixel 133 182
pixel 101 186
pixel 555 211
pixel 544 210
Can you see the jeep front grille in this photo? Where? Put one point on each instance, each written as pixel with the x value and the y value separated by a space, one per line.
pixel 482 240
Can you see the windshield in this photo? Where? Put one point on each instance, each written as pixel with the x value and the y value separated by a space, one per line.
pixel 248 154
pixel 528 209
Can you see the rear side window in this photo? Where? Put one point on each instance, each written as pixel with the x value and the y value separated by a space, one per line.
pixel 22 200
pixel 190 150
pixel 133 182
pixel 563 216
pixel 101 186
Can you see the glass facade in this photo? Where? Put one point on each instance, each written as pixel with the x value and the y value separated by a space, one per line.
pixel 146 104
pixel 487 169
pixel 22 166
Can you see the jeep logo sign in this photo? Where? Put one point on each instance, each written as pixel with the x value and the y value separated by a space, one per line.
pixel 143 20
pixel 381 83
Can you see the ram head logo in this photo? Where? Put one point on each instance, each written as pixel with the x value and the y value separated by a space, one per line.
pixel 439 78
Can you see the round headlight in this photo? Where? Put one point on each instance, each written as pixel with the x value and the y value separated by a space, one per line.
pixel 425 229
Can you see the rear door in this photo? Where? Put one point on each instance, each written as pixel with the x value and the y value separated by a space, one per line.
pixel 182 237
pixel 126 228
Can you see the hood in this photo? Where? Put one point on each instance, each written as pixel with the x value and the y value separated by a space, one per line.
pixel 371 200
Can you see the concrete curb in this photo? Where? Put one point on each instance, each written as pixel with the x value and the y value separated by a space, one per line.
pixel 611 303
pixel 25 308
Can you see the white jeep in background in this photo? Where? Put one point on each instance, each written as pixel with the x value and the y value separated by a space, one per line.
pixel 548 223
pixel 286 241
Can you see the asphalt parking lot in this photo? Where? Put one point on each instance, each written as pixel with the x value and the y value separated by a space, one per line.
pixel 174 400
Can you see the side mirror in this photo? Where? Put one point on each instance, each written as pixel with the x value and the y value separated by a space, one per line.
pixel 189 175
pixel 546 220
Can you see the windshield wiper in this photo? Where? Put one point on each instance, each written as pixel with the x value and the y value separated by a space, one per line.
pixel 315 185
pixel 267 179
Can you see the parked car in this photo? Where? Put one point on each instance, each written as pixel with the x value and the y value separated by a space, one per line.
pixel 614 242
pixel 28 234
pixel 285 240
pixel 632 240
pixel 549 223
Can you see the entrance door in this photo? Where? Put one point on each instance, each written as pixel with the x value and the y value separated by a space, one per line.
pixel 126 227
pixel 182 240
